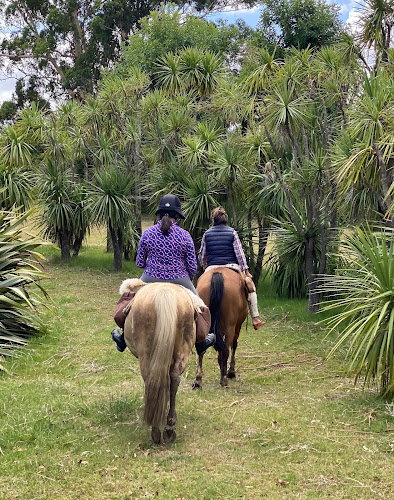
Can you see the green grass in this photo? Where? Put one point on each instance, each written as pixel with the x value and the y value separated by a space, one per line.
pixel 290 425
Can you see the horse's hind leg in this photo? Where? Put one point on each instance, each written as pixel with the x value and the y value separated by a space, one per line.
pixel 197 384
pixel 169 433
pixel 222 360
pixel 156 435
pixel 231 370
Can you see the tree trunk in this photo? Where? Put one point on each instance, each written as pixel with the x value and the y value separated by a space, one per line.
pixel 313 299
pixel 109 241
pixel 137 175
pixel 126 252
pixel 261 251
pixel 77 244
pixel 64 240
pixel 232 204
pixel 252 260
pixel 117 244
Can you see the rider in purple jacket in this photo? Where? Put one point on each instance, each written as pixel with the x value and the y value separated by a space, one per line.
pixel 166 253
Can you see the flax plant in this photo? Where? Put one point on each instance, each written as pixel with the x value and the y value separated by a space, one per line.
pixel 20 273
pixel 363 293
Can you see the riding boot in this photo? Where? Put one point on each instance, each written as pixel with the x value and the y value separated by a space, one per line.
pixel 118 338
pixel 121 311
pixel 257 322
pixel 204 339
pixel 201 347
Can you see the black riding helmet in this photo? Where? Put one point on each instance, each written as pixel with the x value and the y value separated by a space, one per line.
pixel 170 203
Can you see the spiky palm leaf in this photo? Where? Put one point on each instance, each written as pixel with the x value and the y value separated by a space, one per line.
pixel 110 197
pixel 200 199
pixel 168 74
pixel 170 178
pixel 15 147
pixel 57 214
pixel 286 262
pixel 364 294
pixel 284 108
pixel 20 273
pixel 16 188
pixel 256 82
pixel 377 20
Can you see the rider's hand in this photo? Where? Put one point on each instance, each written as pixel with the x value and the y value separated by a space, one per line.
pixel 247 273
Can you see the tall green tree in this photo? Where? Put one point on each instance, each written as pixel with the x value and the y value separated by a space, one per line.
pixel 57 207
pixel 170 30
pixel 67 43
pixel 301 111
pixel 376 27
pixel 365 163
pixel 298 23
pixel 110 205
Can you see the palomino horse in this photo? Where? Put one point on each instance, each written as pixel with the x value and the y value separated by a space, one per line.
pixel 223 289
pixel 160 331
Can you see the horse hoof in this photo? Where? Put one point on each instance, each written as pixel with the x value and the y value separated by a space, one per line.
pixel 231 374
pixel 196 385
pixel 224 382
pixel 155 435
pixel 169 436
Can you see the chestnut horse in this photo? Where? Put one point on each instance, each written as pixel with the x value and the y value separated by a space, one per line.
pixel 160 331
pixel 223 289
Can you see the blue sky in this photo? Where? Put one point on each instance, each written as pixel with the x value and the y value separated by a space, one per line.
pixel 250 16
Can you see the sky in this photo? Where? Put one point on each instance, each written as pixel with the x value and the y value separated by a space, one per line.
pixel 348 15
pixel 251 16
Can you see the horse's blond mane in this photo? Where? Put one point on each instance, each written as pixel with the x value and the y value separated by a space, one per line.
pixel 130 284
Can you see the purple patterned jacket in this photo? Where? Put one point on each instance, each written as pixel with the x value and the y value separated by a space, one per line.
pixel 167 257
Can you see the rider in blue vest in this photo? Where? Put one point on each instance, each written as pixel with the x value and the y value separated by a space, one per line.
pixel 221 246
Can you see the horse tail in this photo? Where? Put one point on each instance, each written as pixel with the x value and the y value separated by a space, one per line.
pixel 217 289
pixel 157 383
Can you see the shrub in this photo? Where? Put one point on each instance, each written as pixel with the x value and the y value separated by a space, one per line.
pixel 20 273
pixel 364 294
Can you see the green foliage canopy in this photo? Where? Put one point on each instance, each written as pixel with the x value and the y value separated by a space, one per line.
pixel 68 43
pixel 299 23
pixel 165 30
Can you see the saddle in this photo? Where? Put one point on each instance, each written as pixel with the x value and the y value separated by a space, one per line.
pixel 130 287
pixel 249 286
pixel 127 291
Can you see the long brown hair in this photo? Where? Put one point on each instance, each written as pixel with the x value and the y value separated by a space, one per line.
pixel 166 221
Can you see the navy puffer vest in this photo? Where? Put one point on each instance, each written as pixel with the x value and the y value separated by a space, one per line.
pixel 219 243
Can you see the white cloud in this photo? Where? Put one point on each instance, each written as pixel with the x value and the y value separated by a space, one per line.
pixel 7 85
pixel 239 9
pixel 354 20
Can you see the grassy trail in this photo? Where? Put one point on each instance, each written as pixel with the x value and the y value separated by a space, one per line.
pixel 289 426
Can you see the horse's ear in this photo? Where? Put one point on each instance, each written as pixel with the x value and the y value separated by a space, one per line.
pixel 129 285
